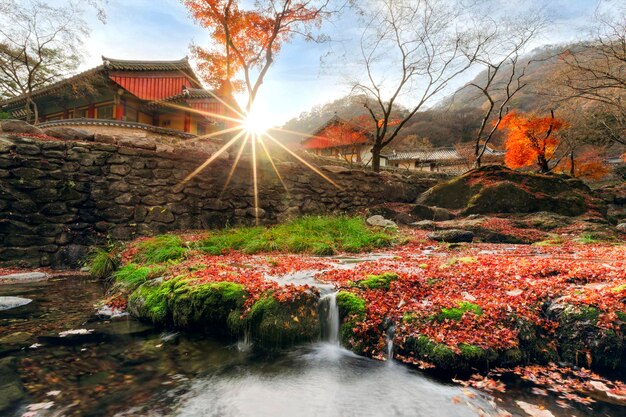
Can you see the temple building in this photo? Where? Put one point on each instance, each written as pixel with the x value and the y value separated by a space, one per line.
pixel 141 97
pixel 341 139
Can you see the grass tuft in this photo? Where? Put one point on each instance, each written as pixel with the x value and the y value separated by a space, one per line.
pixel 102 263
pixel 160 249
pixel 317 235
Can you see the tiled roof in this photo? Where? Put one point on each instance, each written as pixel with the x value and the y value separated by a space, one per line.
pixel 110 64
pixel 437 154
pixel 137 65
pixel 314 140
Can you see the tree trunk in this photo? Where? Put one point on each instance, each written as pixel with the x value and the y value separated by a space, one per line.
pixel 376 158
pixel 477 160
pixel 572 171
pixel 543 164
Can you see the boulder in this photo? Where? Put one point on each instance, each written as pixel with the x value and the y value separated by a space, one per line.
pixel 621 227
pixel 10 303
pixel 423 212
pixel 69 133
pixel 452 236
pixel 496 189
pixel 23 277
pixel 380 221
pixel 19 126
pixel 425 225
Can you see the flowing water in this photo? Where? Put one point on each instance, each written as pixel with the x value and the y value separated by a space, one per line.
pixel 124 368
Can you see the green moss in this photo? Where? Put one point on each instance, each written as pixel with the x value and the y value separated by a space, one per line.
pixel 619 288
pixel 621 315
pixel 352 310
pixel 274 325
pixel 373 282
pixel 437 353
pixel 319 235
pixel 151 301
pixel 102 263
pixel 351 305
pixel 160 249
pixel 206 306
pixel 456 313
pixel 583 313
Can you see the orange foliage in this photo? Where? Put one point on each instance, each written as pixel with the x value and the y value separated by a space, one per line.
pixel 241 38
pixel 588 165
pixel 530 139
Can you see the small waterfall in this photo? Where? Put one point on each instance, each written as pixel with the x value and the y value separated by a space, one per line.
pixel 329 318
pixel 390 333
pixel 245 342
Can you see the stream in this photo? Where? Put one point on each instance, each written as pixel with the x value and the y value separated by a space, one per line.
pixel 68 361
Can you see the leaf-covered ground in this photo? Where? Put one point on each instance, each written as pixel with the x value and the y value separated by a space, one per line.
pixel 461 308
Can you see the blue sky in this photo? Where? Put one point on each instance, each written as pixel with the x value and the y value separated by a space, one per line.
pixel 162 29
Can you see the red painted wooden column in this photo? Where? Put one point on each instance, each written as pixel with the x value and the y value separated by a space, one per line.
pixel 187 122
pixel 91 111
pixel 120 109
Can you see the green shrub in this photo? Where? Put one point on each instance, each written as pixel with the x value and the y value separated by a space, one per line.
pixel 318 235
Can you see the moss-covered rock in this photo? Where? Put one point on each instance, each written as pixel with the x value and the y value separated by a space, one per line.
pixel 582 342
pixel 496 189
pixel 206 307
pixel 274 325
pixel 351 311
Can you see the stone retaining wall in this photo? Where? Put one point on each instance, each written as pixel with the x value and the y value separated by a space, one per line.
pixel 57 198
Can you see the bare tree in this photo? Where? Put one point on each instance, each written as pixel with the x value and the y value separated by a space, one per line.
pixel 596 71
pixel 410 51
pixel 504 73
pixel 39 44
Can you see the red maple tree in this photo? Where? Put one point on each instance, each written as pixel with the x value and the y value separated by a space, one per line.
pixel 531 140
pixel 247 40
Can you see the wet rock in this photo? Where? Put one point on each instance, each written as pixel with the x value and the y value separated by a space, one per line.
pixel 19 126
pixel 452 236
pixel 621 227
pixel 10 303
pixel 380 221
pixel 425 225
pixel 69 133
pixel 11 390
pixel 14 341
pixel 423 212
pixel 23 277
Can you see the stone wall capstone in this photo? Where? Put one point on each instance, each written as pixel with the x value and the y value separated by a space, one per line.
pixel 58 198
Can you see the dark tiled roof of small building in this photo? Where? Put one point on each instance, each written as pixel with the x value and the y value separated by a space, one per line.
pixel 138 65
pixel 437 154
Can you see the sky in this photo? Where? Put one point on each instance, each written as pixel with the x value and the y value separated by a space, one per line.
pixel 163 30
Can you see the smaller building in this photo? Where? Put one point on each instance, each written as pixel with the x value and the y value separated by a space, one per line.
pixel 341 139
pixel 440 159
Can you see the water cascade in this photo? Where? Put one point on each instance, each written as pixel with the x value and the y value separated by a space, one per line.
pixel 390 333
pixel 329 318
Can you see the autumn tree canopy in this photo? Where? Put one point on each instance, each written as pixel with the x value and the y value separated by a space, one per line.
pixel 531 140
pixel 245 41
